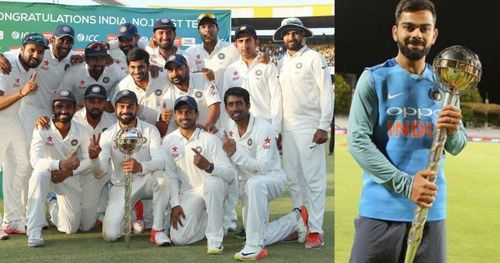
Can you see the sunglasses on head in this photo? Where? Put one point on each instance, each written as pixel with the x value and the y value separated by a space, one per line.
pixel 36 39
pixel 209 15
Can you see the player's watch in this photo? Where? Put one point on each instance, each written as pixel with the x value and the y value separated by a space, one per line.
pixel 210 169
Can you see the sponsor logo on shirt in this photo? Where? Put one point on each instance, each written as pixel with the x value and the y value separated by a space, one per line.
pixel 221 56
pixel 49 141
pixel 198 59
pixel 236 75
pixel 16 84
pixel 410 122
pixel 45 65
pixel 249 142
pixel 158 92
pixel 267 143
pixel 198 94
pixel 82 84
pixel 74 142
pixel 174 152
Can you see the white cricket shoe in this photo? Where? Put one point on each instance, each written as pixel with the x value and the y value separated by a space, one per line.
pixel 214 247
pixel 160 238
pixel 251 253
pixel 35 239
pixel 14 227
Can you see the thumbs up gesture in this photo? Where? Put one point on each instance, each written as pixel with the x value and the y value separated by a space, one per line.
pixel 228 145
pixel 30 86
pixel 70 163
pixel 166 114
pixel 199 160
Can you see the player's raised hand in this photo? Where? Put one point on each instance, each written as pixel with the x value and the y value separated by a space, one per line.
pixel 166 114
pixel 131 165
pixel 94 148
pixel 208 73
pixel 42 123
pixel 5 66
pixel 76 59
pixel 210 127
pixel 176 215
pixel 228 144
pixel 200 161
pixel 155 71
pixel 30 86
pixel 71 163
pixel 264 58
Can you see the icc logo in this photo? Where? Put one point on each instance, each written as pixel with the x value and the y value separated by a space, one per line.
pixel 87 38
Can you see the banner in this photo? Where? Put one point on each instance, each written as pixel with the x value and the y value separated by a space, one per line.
pixel 99 23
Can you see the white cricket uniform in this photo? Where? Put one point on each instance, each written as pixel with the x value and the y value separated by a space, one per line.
pixel 155 58
pixel 261 81
pixel 94 194
pixel 307 106
pixel 120 58
pixel 200 194
pixel 77 79
pixel 49 75
pixel 222 56
pixel 15 164
pixel 48 149
pixel 151 182
pixel 262 180
pixel 203 91
pixel 149 100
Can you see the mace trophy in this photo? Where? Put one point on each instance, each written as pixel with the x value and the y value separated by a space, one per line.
pixel 457 69
pixel 128 140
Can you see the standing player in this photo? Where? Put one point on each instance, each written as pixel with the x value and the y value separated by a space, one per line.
pixel 163 38
pixel 127 39
pixel 149 180
pixel 20 82
pixel 250 143
pixel 95 70
pixel 194 85
pixel 395 162
pixel 198 173
pixel 261 80
pixel 59 156
pixel 307 113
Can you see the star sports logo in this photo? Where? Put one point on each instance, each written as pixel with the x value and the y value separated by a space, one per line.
pixel 236 75
pixel 174 152
pixel 49 141
pixel 267 143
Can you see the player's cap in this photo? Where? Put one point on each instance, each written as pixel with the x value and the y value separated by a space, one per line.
pixel 204 18
pixel 186 100
pixel 96 49
pixel 95 91
pixel 127 31
pixel 163 23
pixel 177 59
pixel 64 30
pixel 64 95
pixel 125 94
pixel 289 24
pixel 245 29
pixel 35 38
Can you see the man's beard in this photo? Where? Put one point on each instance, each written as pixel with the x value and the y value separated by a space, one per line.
pixel 413 55
pixel 59 117
pixel 126 118
pixel 95 113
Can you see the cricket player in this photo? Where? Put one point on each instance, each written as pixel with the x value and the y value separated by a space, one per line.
pixel 204 92
pixel 163 39
pixel 149 90
pixel 198 172
pixel 250 142
pixel 146 165
pixel 14 87
pixel 59 157
pixel 395 163
pixel 307 112
pixel 261 80
pixel 95 70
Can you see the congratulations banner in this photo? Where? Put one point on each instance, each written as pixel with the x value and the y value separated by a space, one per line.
pixel 99 23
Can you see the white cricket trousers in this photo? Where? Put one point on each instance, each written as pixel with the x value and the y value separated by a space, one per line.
pixel 143 187
pixel 305 167
pixel 67 214
pixel 14 159
pixel 204 211
pixel 259 190
pixel 92 191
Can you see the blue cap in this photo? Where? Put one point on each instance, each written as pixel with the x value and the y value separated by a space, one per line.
pixel 35 38
pixel 127 30
pixel 64 30
pixel 187 100
pixel 163 23
pixel 245 29
pixel 96 49
pixel 178 59
pixel 204 18
pixel 95 91
pixel 126 94
pixel 64 95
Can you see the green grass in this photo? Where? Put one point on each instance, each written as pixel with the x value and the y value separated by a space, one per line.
pixel 90 247
pixel 473 202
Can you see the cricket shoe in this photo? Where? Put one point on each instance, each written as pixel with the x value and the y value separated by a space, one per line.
pixel 35 239
pixel 14 227
pixel 314 240
pixel 251 253
pixel 160 238
pixel 3 235
pixel 302 227
pixel 214 248
pixel 138 227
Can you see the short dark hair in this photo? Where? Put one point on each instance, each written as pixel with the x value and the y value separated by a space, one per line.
pixel 239 92
pixel 415 6
pixel 136 54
